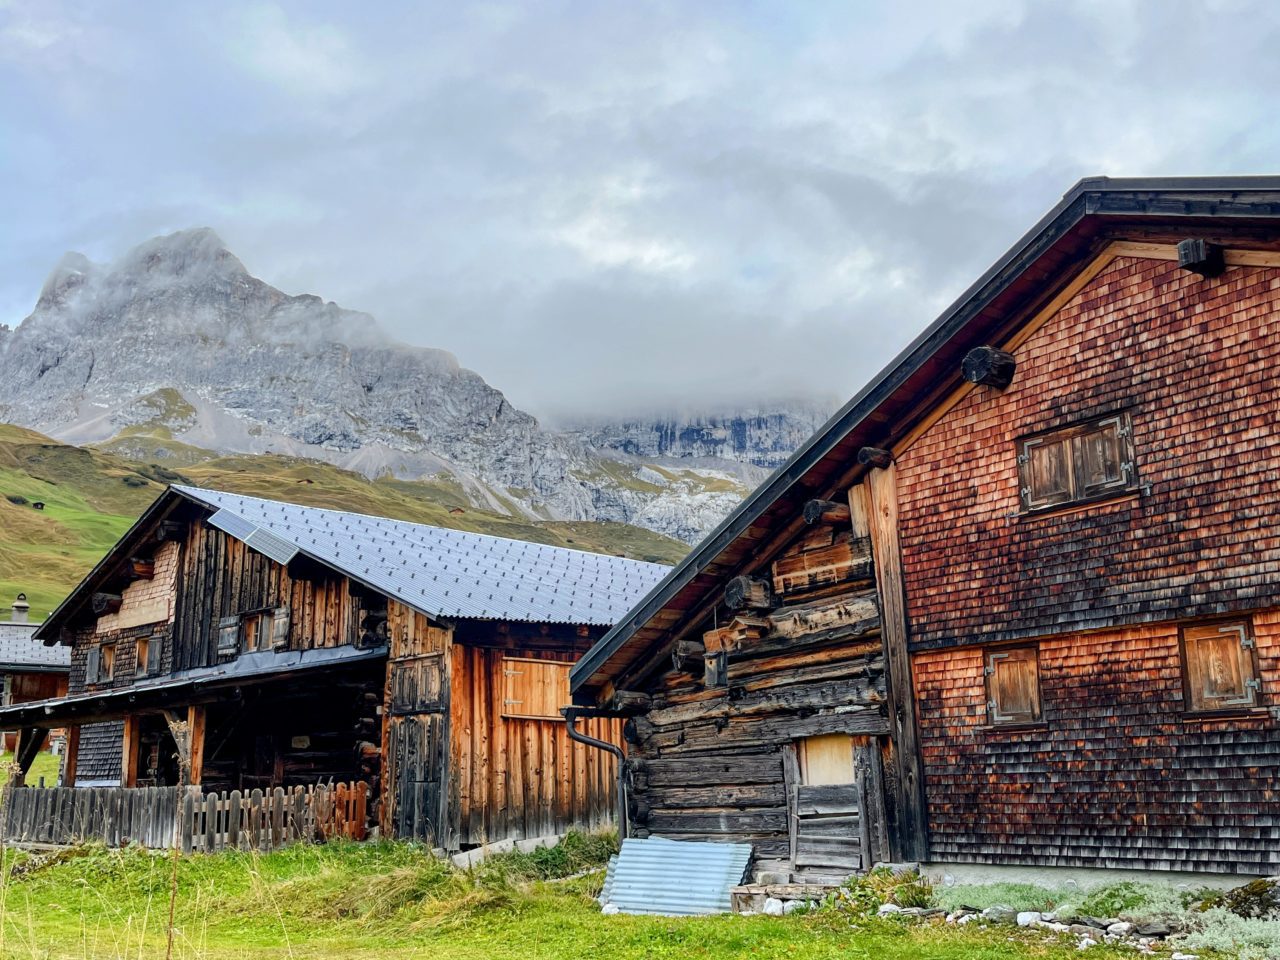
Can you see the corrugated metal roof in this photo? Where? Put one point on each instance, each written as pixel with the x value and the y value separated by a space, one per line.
pixel 443 573
pixel 20 650
pixel 675 878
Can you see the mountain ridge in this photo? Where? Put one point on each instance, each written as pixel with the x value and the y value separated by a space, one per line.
pixel 178 345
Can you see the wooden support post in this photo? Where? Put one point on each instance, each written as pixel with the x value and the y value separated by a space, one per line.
pixel 30 740
pixel 129 751
pixel 910 839
pixel 71 757
pixel 195 728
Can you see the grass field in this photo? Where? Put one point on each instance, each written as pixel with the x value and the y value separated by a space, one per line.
pixel 91 496
pixel 393 902
pixel 45 765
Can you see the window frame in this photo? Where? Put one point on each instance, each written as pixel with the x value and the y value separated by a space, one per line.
pixel 994 717
pixel 1073 435
pixel 1247 658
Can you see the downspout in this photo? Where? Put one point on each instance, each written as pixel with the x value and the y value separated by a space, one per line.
pixel 571 716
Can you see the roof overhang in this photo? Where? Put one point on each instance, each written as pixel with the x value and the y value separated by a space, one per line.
pixel 1092 214
pixel 202 685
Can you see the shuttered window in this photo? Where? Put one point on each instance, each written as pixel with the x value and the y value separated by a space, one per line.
pixel 142 657
pixel 92 665
pixel 1219 672
pixel 107 663
pixel 280 628
pixel 534 689
pixel 228 636
pixel 1089 461
pixel 1013 685
pixel 826 759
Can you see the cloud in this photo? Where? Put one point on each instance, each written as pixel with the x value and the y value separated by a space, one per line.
pixel 613 206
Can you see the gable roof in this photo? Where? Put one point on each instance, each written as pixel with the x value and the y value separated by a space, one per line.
pixel 1089 216
pixel 20 652
pixel 441 573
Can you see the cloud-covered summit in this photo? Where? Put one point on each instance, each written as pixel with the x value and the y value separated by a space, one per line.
pixel 612 207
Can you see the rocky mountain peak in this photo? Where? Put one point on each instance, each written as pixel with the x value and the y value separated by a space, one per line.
pixel 176 349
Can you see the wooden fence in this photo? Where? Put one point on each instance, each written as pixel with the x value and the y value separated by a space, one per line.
pixel 208 822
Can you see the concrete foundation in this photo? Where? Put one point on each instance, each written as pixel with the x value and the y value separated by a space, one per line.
pixel 1054 878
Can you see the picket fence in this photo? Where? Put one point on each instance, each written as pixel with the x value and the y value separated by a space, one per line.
pixel 207 822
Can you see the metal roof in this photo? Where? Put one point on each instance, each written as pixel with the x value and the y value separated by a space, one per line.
pixel 1189 199
pixel 440 572
pixel 675 878
pixel 246 669
pixel 21 652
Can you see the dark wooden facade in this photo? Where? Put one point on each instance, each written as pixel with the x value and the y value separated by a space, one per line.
pixel 1024 688
pixel 411 705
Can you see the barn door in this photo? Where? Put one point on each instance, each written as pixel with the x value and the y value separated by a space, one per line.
pixel 836 806
pixel 416 748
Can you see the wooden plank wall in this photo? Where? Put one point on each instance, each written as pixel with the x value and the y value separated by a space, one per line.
pixel 517 778
pixel 710 759
pixel 222 577
pixel 415 758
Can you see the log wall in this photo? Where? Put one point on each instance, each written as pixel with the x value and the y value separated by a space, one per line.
pixel 715 757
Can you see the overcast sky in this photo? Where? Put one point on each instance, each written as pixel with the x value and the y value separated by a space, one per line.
pixel 613 206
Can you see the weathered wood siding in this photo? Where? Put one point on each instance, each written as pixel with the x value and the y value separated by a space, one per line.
pixel 512 777
pixel 718 762
pixel 415 733
pixel 1116 772
pixel 1116 776
pixel 1197 363
pixel 222 577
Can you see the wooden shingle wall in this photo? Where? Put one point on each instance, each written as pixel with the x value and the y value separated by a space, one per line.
pixel 1115 775
pixel 1197 363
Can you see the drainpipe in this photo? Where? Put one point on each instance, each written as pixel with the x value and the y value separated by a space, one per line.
pixel 571 716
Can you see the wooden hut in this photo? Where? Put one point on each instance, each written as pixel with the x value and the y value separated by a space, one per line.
pixel 1018 602
pixel 304 645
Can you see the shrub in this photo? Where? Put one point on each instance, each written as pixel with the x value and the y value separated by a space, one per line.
pixel 1219 929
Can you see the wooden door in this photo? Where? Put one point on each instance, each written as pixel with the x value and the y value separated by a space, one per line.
pixel 417 749
pixel 836 806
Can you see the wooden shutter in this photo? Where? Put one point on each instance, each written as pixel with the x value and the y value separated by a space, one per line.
pixel 1013 686
pixel 107 662
pixel 1046 472
pixel 92 665
pixel 1101 464
pixel 826 759
pixel 1219 667
pixel 228 635
pixel 280 629
pixel 155 655
pixel 142 657
pixel 534 689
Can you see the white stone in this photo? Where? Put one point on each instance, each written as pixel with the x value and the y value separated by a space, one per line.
pixel 1184 956
pixel 888 908
pixel 1028 917
pixel 1086 943
pixel 773 907
pixel 791 906
pixel 1050 925
pixel 609 909
pixel 1120 928
pixel 968 918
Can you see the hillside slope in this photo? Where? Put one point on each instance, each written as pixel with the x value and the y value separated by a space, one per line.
pixel 91 496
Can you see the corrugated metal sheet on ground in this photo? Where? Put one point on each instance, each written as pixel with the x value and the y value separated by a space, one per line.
pixel 442 573
pixel 675 878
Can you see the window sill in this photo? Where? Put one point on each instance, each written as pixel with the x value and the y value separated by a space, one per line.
pixel 1030 725
pixel 1076 506
pixel 1244 713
